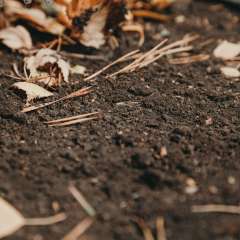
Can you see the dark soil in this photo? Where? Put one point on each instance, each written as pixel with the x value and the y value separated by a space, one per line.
pixel 115 162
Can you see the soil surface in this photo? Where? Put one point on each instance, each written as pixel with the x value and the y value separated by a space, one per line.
pixel 190 110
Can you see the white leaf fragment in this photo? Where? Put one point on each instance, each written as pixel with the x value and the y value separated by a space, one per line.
pixel 33 91
pixel 16 38
pixel 227 50
pixel 78 69
pixel 230 72
pixel 10 219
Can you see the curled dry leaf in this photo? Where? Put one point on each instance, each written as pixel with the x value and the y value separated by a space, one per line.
pixel 32 90
pixel 227 50
pixel 47 66
pixel 230 72
pixel 16 38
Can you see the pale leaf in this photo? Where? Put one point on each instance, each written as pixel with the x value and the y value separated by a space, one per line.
pixel 230 72
pixel 93 35
pixel 78 69
pixel 10 219
pixel 33 91
pixel 227 50
pixel 16 38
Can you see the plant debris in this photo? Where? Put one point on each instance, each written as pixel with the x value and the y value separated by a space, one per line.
pixel 88 22
pixel 84 225
pixel 74 120
pixel 11 220
pixel 216 208
pixel 16 38
pixel 32 90
pixel 148 235
pixel 78 93
pixel 227 50
pixel 48 67
pixel 230 72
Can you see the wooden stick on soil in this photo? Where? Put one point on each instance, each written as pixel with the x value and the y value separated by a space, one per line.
pixel 79 230
pixel 145 229
pixel 161 233
pixel 74 119
pixel 121 59
pixel 216 208
pixel 82 201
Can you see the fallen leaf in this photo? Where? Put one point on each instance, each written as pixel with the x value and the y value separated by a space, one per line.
pixel 227 50
pixel 10 219
pixel 78 69
pixel 32 90
pixel 16 38
pixel 230 72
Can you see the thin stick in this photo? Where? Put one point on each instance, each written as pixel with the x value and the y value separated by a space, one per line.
pixel 83 56
pixel 146 55
pixel 82 201
pixel 217 208
pixel 45 221
pixel 79 230
pixel 81 120
pixel 110 65
pixel 189 59
pixel 72 118
pixel 78 93
pixel 161 233
pixel 145 229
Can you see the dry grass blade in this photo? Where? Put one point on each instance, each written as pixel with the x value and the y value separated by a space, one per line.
pixel 78 93
pixel 45 221
pixel 79 230
pixel 145 229
pixel 150 15
pixel 74 120
pixel 121 59
pixel 189 59
pixel 143 60
pixel 82 201
pixel 83 56
pixel 161 233
pixel 216 208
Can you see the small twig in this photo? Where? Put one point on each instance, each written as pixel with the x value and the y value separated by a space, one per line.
pixel 145 229
pixel 73 120
pixel 79 230
pixel 83 56
pixel 216 208
pixel 82 201
pixel 161 233
pixel 111 64
pixel 189 59
pixel 78 93
pixel 45 221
